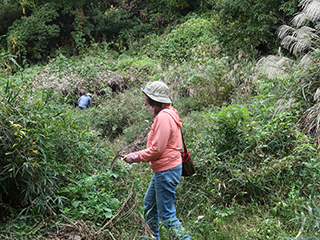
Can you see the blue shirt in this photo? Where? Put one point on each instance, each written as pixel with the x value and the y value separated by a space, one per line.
pixel 85 101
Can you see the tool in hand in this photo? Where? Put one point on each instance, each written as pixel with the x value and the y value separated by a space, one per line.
pixel 114 161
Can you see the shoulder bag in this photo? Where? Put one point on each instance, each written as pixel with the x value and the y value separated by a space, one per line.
pixel 188 168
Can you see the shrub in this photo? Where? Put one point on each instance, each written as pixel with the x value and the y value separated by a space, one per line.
pixel 32 37
pixel 211 85
pixel 90 198
pixel 225 131
pixel 251 155
pixel 191 40
pixel 116 115
pixel 198 86
pixel 143 68
pixel 249 25
pixel 40 148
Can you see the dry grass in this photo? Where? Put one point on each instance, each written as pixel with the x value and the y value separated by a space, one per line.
pixel 76 85
pixel 274 66
pixel 301 40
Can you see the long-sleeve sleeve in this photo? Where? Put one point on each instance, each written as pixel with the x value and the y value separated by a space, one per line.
pixel 164 142
pixel 160 136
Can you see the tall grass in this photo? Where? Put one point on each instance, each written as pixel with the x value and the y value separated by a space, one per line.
pixel 255 166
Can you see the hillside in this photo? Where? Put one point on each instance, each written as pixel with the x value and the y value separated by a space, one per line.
pixel 246 85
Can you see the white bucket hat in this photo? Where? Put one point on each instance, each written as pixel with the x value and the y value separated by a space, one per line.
pixel 157 91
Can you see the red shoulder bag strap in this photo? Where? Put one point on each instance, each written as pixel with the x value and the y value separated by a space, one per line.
pixel 185 153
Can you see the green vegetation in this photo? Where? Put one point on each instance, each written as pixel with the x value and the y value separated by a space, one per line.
pixel 249 25
pixel 250 122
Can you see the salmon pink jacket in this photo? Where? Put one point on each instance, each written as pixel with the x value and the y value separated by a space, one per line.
pixel 164 141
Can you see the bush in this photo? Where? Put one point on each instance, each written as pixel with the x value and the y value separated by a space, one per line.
pixel 191 40
pixel 122 112
pixel 225 131
pixel 91 198
pixel 40 148
pixel 250 25
pixel 32 37
pixel 142 67
pixel 197 86
pixel 249 159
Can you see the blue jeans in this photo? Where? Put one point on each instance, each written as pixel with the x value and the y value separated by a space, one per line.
pixel 159 202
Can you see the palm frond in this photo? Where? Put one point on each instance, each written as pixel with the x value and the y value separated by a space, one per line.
pixel 284 30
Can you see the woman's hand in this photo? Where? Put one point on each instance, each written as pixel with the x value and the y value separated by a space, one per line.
pixel 131 158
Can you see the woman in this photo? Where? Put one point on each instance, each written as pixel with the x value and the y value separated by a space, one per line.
pixel 164 156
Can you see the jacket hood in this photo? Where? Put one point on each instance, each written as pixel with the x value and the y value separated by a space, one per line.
pixel 174 114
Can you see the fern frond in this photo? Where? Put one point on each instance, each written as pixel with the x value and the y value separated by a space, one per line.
pixel 284 30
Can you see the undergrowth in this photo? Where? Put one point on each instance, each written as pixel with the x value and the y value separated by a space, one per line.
pixel 257 171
